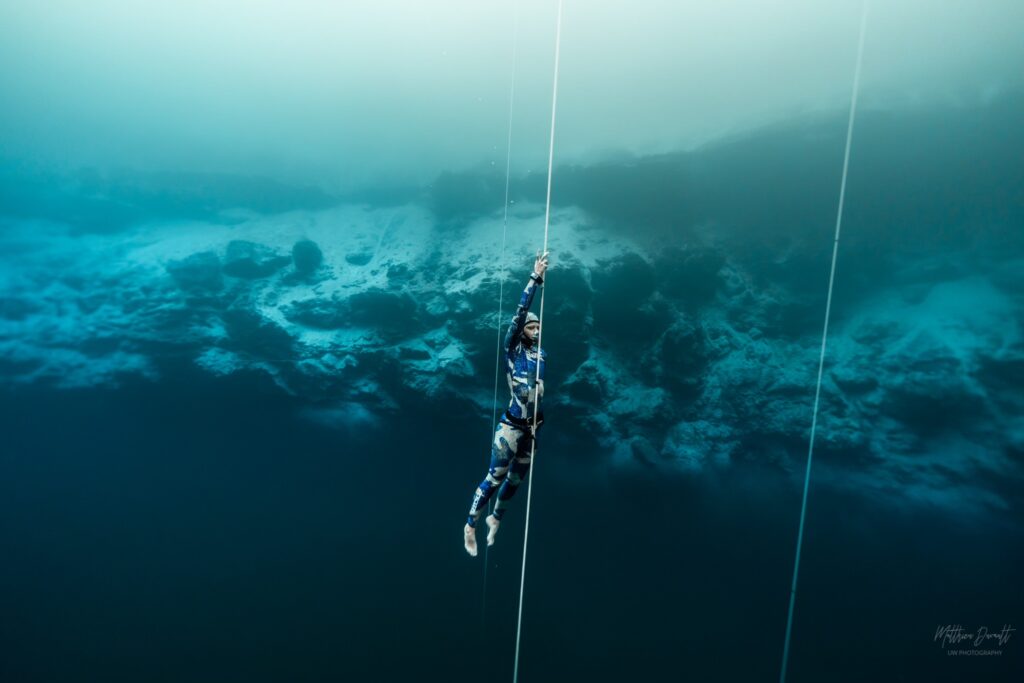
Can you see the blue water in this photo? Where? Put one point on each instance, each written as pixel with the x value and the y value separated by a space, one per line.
pixel 247 364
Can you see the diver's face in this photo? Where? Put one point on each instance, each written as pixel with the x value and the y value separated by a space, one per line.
pixel 531 331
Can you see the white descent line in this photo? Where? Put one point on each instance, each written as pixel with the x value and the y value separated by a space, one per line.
pixel 501 278
pixel 536 383
pixel 824 338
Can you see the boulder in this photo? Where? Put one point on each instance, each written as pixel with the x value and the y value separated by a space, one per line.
pixel 306 257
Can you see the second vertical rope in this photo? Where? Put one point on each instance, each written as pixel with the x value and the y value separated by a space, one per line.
pixel 536 410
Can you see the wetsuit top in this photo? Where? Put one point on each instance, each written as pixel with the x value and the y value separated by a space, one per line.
pixel 521 363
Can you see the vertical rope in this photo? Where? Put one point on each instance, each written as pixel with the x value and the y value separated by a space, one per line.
pixel 540 333
pixel 501 279
pixel 824 338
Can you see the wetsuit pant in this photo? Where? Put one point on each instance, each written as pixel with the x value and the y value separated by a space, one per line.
pixel 510 464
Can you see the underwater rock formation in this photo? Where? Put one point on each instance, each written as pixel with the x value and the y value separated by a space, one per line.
pixel 250 260
pixel 200 271
pixel 701 355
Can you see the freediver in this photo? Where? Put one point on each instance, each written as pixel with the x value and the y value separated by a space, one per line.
pixel 514 435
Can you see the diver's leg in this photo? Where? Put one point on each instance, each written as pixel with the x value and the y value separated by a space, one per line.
pixel 501 455
pixel 519 470
pixel 502 449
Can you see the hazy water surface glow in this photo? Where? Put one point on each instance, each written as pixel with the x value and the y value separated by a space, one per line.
pixel 322 92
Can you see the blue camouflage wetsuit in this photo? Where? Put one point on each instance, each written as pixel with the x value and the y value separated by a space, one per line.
pixel 513 436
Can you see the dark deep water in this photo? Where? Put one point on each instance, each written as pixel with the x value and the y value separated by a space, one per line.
pixel 194 529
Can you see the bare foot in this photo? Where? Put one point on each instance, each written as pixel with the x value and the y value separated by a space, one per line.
pixel 492 524
pixel 470 538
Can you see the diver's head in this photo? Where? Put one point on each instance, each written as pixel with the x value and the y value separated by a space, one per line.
pixel 531 330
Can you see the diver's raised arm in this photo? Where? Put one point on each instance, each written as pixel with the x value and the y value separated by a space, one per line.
pixel 540 266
